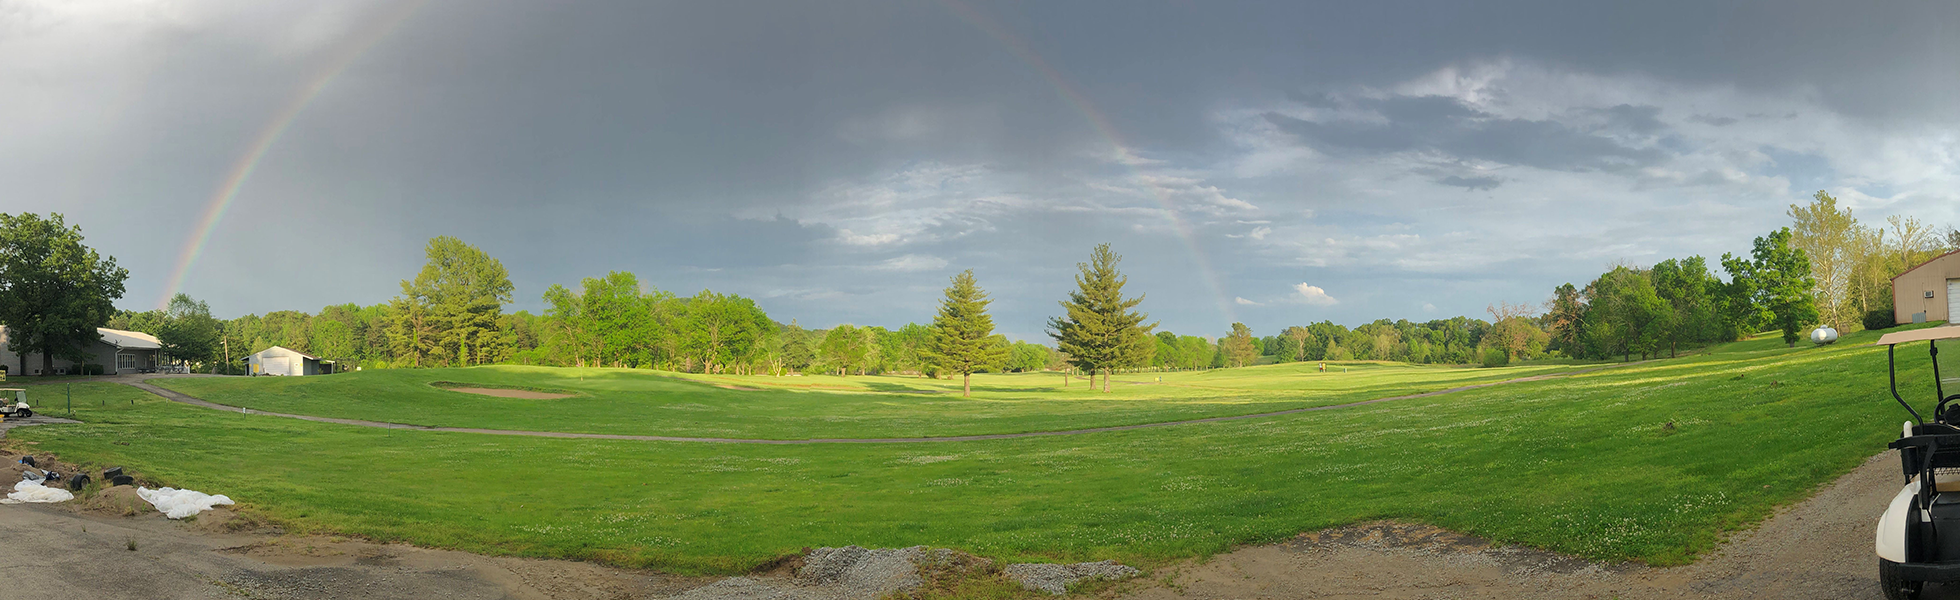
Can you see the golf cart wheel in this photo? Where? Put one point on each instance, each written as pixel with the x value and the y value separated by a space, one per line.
pixel 24 413
pixel 1896 586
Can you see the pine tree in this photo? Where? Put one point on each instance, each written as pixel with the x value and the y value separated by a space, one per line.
pixel 1100 332
pixel 961 333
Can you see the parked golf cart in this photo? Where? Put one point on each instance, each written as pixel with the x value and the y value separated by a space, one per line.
pixel 1919 535
pixel 17 409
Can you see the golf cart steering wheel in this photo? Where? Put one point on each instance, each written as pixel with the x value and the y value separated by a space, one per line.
pixel 1948 413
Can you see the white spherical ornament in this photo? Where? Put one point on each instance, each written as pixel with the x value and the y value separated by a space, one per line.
pixel 1823 335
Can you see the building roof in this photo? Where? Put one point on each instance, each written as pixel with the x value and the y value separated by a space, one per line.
pixel 1943 332
pixel 124 340
pixel 302 354
pixel 129 340
pixel 1928 262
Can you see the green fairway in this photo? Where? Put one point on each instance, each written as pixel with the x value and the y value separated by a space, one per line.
pixel 1585 464
pixel 629 401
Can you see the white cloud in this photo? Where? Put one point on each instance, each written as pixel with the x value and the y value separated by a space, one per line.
pixel 1312 294
pixel 1241 301
pixel 912 262
pixel 1428 307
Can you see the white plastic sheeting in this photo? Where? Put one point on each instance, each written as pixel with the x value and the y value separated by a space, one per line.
pixel 33 491
pixel 177 504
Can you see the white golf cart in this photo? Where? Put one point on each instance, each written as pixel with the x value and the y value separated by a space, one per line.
pixel 17 407
pixel 1919 535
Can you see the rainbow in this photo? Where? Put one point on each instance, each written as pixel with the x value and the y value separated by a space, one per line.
pixel 241 171
pixel 1080 101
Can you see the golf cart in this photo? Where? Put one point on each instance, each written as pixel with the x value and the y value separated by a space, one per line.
pixel 1919 535
pixel 18 408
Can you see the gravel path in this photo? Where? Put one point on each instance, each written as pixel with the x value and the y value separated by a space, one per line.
pixel 140 382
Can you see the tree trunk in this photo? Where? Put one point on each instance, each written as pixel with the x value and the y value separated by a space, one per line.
pixel 1106 379
pixel 966 385
pixel 47 363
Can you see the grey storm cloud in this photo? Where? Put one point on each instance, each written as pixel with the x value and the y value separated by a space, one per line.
pixel 1447 125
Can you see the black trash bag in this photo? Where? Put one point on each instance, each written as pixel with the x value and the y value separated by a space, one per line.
pixel 28 460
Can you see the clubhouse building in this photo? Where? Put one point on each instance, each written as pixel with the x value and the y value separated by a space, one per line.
pixel 117 352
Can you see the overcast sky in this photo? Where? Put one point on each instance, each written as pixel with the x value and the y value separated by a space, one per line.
pixel 837 161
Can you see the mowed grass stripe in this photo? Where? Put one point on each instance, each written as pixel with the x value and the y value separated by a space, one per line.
pixel 173 395
pixel 647 403
pixel 1583 464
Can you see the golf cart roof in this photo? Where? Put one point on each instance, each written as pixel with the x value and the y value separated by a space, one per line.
pixel 1944 332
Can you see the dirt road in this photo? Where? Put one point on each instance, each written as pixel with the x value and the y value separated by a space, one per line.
pixel 51 551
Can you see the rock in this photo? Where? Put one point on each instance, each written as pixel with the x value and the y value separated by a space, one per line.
pixel 742 588
pixel 1055 579
pixel 847 573
pixel 855 572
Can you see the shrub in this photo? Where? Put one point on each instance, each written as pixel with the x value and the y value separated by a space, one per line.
pixel 91 369
pixel 1879 319
pixel 1495 357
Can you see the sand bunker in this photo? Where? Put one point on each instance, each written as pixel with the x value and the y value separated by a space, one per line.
pixel 503 393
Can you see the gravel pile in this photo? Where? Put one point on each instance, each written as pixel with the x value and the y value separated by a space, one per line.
pixel 1055 579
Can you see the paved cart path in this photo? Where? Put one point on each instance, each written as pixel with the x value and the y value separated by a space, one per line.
pixel 176 396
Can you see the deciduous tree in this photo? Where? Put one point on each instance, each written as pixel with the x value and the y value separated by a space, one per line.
pixel 1779 284
pixel 54 290
pixel 1237 346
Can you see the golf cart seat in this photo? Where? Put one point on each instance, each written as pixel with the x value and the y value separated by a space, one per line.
pixel 1945 480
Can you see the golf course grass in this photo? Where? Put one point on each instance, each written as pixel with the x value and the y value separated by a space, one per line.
pixel 641 402
pixel 1650 462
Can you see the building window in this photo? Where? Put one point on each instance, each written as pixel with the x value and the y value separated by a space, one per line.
pixel 125 361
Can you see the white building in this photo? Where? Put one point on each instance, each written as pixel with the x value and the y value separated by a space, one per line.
pixel 280 360
pixel 117 352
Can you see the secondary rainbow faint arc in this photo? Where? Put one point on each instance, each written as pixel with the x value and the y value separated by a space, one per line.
pixel 241 171
pixel 1080 101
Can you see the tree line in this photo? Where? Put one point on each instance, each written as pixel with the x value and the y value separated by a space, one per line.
pixel 1826 268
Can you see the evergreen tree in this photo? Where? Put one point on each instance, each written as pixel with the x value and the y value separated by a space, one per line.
pixel 54 291
pixel 1100 332
pixel 960 333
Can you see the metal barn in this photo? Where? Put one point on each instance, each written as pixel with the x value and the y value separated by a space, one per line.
pixel 283 361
